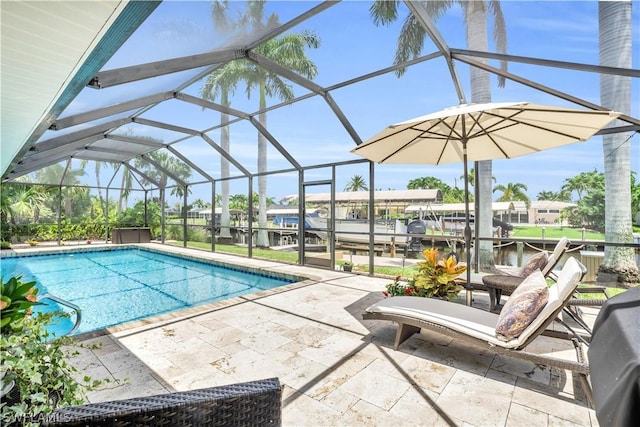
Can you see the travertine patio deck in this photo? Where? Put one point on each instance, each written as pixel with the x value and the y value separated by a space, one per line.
pixel 336 369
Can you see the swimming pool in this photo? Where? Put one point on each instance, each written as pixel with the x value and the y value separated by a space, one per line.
pixel 117 286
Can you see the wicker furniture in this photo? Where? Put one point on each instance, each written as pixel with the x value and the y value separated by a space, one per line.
pixel 506 282
pixel 256 403
pixel 498 284
pixel 477 327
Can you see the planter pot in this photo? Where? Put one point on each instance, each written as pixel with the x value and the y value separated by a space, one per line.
pixel 347 267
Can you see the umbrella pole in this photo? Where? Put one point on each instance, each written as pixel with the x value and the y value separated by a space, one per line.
pixel 467 227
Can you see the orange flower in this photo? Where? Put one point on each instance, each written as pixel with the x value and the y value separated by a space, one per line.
pixel 31 295
pixel 431 255
pixel 3 304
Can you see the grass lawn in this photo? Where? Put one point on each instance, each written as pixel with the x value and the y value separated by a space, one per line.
pixel 574 234
pixel 270 254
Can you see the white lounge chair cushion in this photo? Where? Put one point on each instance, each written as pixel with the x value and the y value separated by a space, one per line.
pixel 558 251
pixel 471 321
pixel 523 306
pixel 536 262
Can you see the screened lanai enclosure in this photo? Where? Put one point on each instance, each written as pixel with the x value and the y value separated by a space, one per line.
pixel 231 124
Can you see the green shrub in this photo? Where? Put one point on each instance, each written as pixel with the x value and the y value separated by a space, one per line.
pixel 33 361
pixel 16 300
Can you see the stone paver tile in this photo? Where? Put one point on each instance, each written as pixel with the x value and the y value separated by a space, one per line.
pixel 208 322
pixel 85 359
pixel 288 358
pixel 376 387
pixel 150 342
pixel 250 365
pixel 203 377
pixel 103 344
pixel 523 416
pixel 246 317
pixel 292 321
pixel 339 400
pixel 476 400
pixel 233 348
pixel 522 368
pixel 457 355
pixel 537 396
pixel 117 362
pixel 169 370
pixel 184 331
pixel 305 376
pixel 264 342
pixel 333 348
pixel 337 375
pixel 97 372
pixel 223 335
pixel 145 386
pixel 194 354
pixel 429 413
pixel 308 335
pixel 560 422
pixel 425 373
pixel 366 414
pixel 549 346
pixel 301 410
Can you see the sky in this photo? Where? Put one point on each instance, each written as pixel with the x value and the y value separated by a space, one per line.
pixel 351 45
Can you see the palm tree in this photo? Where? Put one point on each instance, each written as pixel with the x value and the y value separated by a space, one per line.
pixel 428 182
pixel 289 51
pixel 125 188
pixel 410 43
pixel 513 191
pixel 615 93
pixel 26 202
pixel 356 183
pixel 472 177
pixel 580 184
pixel 170 164
pixel 54 175
pixel 455 195
pixel 222 83
pixel 561 196
pixel 239 201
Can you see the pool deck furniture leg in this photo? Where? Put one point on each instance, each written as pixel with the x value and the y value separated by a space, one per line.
pixel 403 333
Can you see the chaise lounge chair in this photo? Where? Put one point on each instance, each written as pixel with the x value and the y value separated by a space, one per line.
pixel 478 327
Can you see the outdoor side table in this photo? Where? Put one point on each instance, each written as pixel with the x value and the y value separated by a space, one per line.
pixel 498 284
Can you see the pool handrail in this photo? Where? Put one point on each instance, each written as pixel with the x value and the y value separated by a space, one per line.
pixel 69 304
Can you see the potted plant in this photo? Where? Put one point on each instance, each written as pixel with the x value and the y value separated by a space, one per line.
pixel 347 265
pixel 34 371
pixel 32 242
pixel 5 245
pixel 435 278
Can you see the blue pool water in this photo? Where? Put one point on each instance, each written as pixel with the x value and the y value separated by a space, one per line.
pixel 117 286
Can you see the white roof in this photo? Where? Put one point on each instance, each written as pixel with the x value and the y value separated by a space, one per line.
pixel 44 44
pixel 381 196
pixel 550 204
pixel 459 207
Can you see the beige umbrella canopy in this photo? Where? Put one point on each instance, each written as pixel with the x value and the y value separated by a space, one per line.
pixel 474 132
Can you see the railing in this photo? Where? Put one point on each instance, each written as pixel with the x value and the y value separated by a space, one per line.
pixel 71 305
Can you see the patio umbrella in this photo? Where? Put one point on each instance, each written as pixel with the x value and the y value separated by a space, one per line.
pixel 474 132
